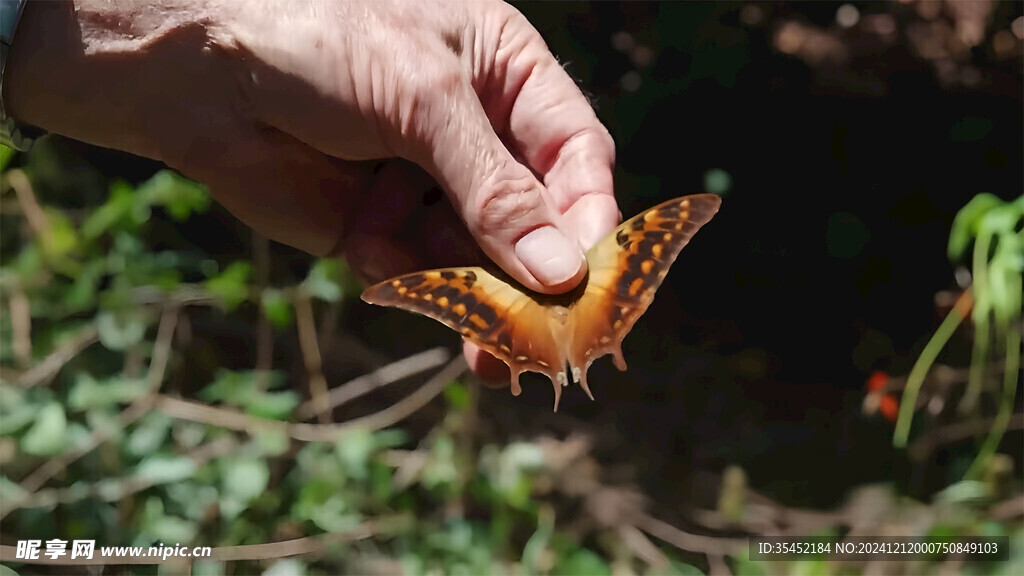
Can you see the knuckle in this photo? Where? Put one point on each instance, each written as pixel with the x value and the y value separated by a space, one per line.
pixel 506 202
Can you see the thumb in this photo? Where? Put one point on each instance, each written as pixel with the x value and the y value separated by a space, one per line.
pixel 507 210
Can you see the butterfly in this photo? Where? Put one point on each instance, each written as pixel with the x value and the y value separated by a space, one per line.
pixel 534 332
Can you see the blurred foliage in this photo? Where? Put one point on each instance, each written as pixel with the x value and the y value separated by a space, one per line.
pixel 995 228
pixel 93 270
pixel 84 294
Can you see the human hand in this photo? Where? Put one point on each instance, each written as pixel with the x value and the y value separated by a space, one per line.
pixel 280 108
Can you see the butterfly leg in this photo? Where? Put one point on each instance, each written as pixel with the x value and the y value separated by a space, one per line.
pixel 516 389
pixel 558 393
pixel 620 361
pixel 581 377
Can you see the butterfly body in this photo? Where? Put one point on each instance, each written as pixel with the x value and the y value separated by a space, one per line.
pixel 545 333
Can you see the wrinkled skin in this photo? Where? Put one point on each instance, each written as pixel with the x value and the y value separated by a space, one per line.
pixel 325 125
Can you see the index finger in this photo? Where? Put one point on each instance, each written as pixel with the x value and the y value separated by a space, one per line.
pixel 555 131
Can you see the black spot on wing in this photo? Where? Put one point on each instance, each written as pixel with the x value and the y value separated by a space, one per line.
pixel 622 238
pixel 485 312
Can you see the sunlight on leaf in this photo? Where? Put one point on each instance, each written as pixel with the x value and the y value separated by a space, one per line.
pixel 231 285
pixel 162 469
pixel 121 329
pixel 47 436
pixel 325 279
pixel 277 307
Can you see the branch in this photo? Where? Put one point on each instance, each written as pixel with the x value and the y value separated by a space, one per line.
pixel 311 357
pixel 272 550
pixel 45 371
pixel 709 545
pixel 920 448
pixel 379 378
pixel 157 367
pixel 232 419
pixel 115 490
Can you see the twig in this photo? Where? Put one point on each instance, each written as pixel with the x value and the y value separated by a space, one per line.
pixel 924 362
pixel 963 430
pixel 21 327
pixel 642 547
pixel 34 213
pixel 687 541
pixel 264 333
pixel 381 377
pixel 115 490
pixel 1008 509
pixel 307 545
pixel 45 371
pixel 234 420
pixel 717 566
pixel 311 357
pixel 157 368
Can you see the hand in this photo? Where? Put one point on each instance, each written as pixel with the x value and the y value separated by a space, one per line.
pixel 279 107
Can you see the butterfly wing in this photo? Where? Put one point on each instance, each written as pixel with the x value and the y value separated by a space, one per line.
pixel 626 269
pixel 493 313
pixel 519 327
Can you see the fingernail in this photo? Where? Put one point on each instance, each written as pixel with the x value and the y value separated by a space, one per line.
pixel 549 255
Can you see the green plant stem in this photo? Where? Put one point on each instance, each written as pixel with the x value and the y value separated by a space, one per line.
pixel 540 539
pixel 979 351
pixel 924 363
pixel 995 435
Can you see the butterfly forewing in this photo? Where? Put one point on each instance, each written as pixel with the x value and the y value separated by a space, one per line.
pixel 626 269
pixel 496 315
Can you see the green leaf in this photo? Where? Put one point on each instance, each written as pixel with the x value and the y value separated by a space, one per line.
pixel 277 307
pixel 28 263
pixel 82 293
pixel 122 329
pixel 163 469
pixel 208 568
pixel 149 434
pixel 10 491
pixel 6 154
pixel 231 285
pixel 287 567
pixel 965 491
pixel 87 392
pixel 272 443
pixel 158 526
pixel 335 516
pixel 582 561
pixel 457 395
pixel 116 212
pixel 967 223
pixel 273 405
pixel 61 238
pixel 324 280
pixel 47 436
pixel 16 411
pixel 354 449
pixel 179 196
pixel 244 477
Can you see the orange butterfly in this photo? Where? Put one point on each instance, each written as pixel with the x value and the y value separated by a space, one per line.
pixel 541 333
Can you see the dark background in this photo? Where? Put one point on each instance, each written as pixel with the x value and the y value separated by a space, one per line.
pixel 848 152
pixel 825 259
